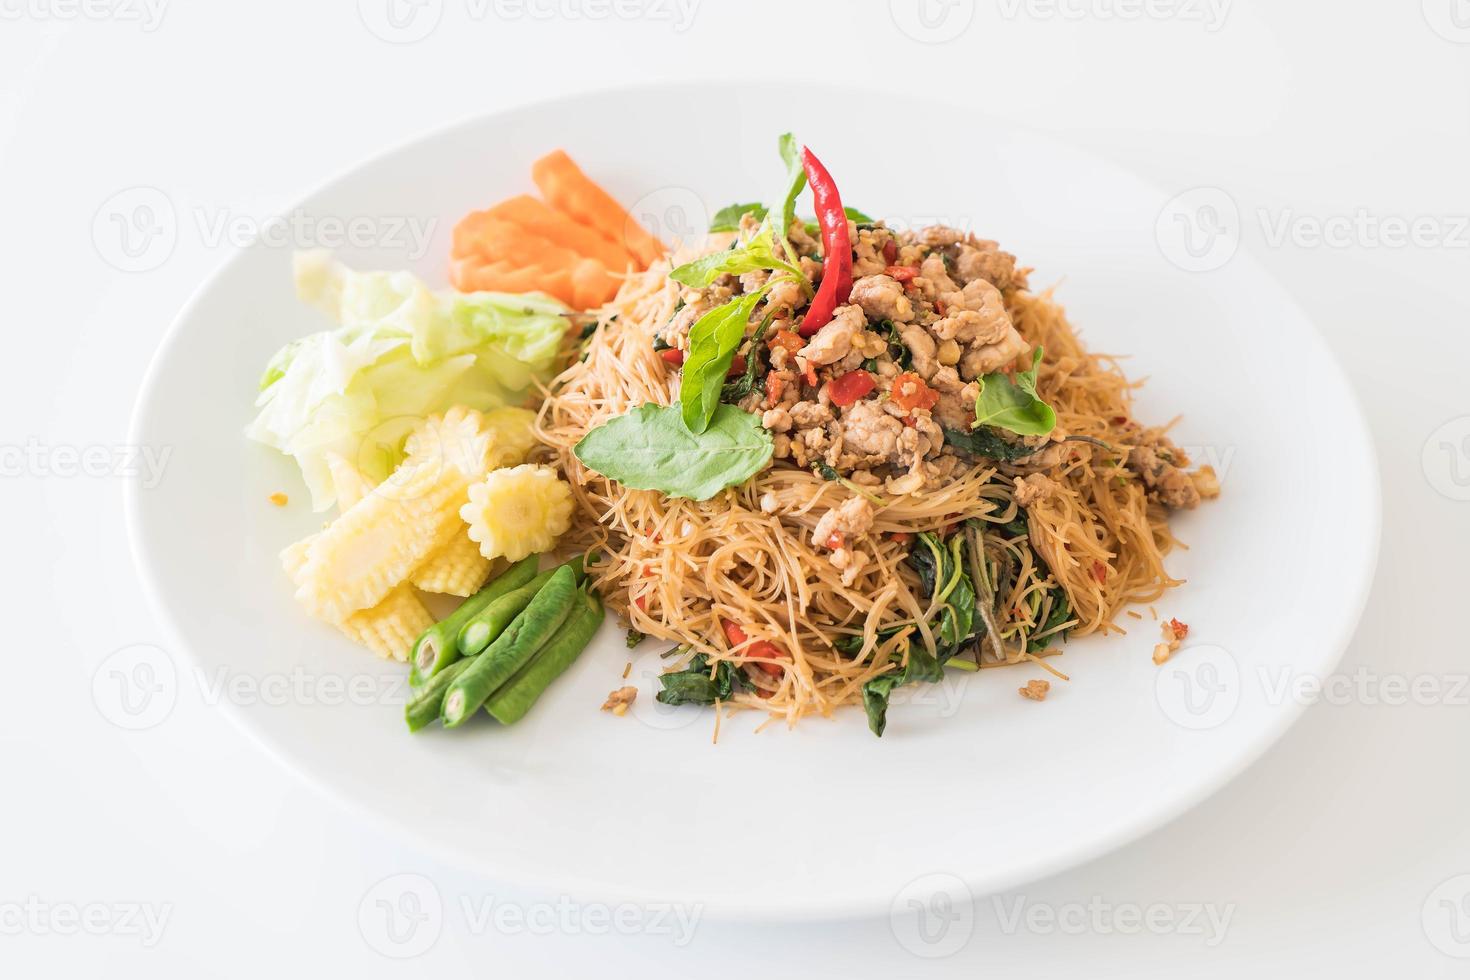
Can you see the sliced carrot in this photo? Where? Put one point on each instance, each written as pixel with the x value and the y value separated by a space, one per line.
pixel 549 223
pixel 591 284
pixel 470 275
pixel 570 191
pixel 502 248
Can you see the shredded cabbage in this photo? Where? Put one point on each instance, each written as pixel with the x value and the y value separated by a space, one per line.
pixel 400 352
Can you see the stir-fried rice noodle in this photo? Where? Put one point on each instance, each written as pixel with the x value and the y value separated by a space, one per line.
pixel 675 568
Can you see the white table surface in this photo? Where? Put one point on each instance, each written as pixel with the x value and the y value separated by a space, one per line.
pixel 1337 854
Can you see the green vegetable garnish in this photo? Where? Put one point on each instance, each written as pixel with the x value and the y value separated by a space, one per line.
pixel 713 340
pixel 650 448
pixel 1014 405
pixel 728 217
pixel 795 181
pixel 756 254
pixel 694 685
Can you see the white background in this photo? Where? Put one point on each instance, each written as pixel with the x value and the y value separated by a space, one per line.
pixel 1336 853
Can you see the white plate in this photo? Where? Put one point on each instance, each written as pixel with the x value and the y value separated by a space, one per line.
pixel 971 780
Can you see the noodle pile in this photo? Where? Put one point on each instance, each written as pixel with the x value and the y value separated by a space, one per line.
pixel 675 568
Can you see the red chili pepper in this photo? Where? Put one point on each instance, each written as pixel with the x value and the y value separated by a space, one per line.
pixel 903 273
pixel 900 537
pixel 834 540
pixel 737 366
pixel 890 251
pixel 836 285
pixel 810 373
pixel 848 388
pixel 641 602
pixel 733 632
pixel 939 307
pixel 761 649
pixel 672 356
pixel 1099 572
pixel 766 653
pixel 1181 630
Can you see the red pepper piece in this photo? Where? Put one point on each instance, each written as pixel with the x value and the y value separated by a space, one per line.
pixel 848 388
pixel 763 650
pixel 903 273
pixel 737 366
pixel 672 356
pixel 836 286
pixel 890 251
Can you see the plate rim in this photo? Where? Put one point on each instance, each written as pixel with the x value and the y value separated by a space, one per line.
pixel 752 910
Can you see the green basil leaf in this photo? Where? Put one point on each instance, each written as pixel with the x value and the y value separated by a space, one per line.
pixel 1014 405
pixel 984 442
pixel 728 217
pixel 713 341
pixel 795 182
pixel 853 214
pixel 650 448
pixel 694 685
pixel 758 253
